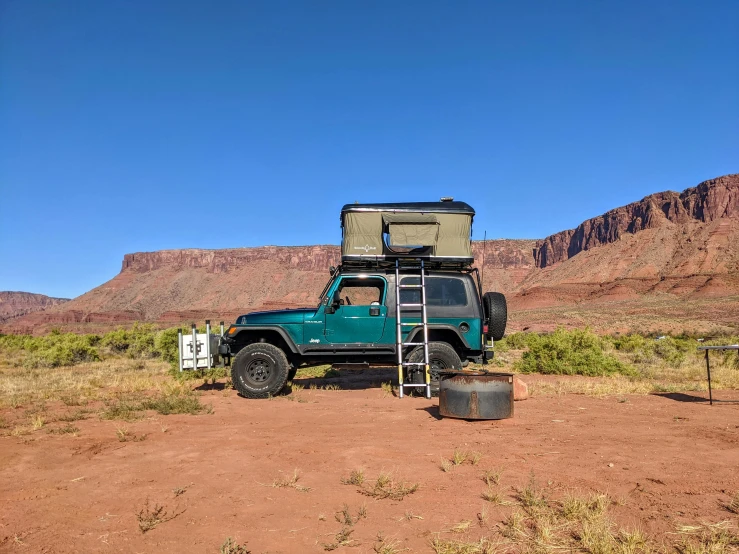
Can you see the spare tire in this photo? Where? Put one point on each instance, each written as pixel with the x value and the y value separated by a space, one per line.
pixel 496 314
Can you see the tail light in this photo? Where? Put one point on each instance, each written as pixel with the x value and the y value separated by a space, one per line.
pixel 484 329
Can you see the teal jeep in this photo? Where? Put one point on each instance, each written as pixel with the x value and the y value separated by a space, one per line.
pixel 356 319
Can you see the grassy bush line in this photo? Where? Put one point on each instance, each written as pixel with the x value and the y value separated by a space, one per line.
pixel 582 352
pixel 563 352
pixel 140 342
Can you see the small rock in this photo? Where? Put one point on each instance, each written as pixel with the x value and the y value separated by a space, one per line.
pixel 520 390
pixel 610 465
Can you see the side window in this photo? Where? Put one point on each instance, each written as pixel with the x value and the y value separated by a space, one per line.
pixel 440 291
pixel 362 292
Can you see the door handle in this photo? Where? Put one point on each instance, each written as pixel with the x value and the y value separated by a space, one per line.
pixel 374 310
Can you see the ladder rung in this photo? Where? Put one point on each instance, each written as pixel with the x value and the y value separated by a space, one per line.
pixel 416 323
pixel 413 363
pixel 413 385
pixel 411 305
pixel 410 286
pixel 413 343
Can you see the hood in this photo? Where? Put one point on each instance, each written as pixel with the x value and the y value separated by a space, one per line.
pixel 275 316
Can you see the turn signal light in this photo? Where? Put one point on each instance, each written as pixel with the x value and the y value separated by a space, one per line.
pixel 231 330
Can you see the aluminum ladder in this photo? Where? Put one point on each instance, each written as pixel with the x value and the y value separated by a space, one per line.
pixel 400 345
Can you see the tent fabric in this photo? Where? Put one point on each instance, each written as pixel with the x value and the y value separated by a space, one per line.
pixel 411 229
pixel 389 219
pixel 363 234
pixel 410 234
pixel 455 231
pixel 446 235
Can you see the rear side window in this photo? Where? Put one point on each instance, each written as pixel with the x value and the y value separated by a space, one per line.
pixel 440 291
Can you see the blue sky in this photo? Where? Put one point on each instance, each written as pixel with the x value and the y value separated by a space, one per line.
pixel 138 126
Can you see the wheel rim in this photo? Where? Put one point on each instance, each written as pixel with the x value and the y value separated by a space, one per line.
pixel 258 371
pixel 435 364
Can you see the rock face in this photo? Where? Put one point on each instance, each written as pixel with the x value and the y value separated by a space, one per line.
pixel 709 201
pixel 667 254
pixel 174 286
pixel 16 304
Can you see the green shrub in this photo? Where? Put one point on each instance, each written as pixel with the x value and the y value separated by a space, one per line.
pixel 137 342
pixel 166 345
pixel 516 341
pixel 60 350
pixel 577 352
pixel 672 351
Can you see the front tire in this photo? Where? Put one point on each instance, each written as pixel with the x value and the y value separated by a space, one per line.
pixel 260 370
pixel 441 356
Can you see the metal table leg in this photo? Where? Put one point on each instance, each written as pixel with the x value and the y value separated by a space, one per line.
pixel 708 370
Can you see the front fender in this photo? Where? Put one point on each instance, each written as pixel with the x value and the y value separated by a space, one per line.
pixel 276 328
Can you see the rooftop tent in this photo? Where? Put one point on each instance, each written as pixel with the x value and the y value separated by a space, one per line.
pixel 434 230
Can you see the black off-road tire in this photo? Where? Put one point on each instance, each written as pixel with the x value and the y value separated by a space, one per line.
pixel 496 314
pixel 441 356
pixel 260 370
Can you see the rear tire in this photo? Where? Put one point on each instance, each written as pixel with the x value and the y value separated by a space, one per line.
pixel 441 356
pixel 496 314
pixel 260 370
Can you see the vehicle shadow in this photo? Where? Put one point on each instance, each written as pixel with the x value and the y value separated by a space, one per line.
pixel 217 386
pixel 352 379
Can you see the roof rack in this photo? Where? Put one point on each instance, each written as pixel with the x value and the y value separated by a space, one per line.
pixel 388 262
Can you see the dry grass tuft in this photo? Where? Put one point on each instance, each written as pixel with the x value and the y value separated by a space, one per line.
pixel 387 487
pixel 461 527
pixel 67 429
pixel 387 546
pixel 492 476
pixel 459 457
pixel 230 546
pixel 531 497
pixel 494 497
pixel 582 508
pixel 733 505
pixel 444 546
pixel 706 538
pixel 149 517
pixel 356 477
pixel 290 482
pixel 342 538
pixel 37 422
pixel 347 521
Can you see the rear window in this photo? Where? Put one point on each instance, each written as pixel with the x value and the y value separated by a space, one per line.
pixel 440 291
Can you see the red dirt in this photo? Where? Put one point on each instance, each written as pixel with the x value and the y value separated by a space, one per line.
pixel 668 461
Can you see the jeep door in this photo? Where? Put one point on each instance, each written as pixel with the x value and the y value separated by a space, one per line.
pixel 361 314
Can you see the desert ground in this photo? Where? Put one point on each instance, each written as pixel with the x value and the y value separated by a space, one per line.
pixel 343 464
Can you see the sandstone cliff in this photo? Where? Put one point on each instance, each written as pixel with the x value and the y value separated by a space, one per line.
pixel 711 200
